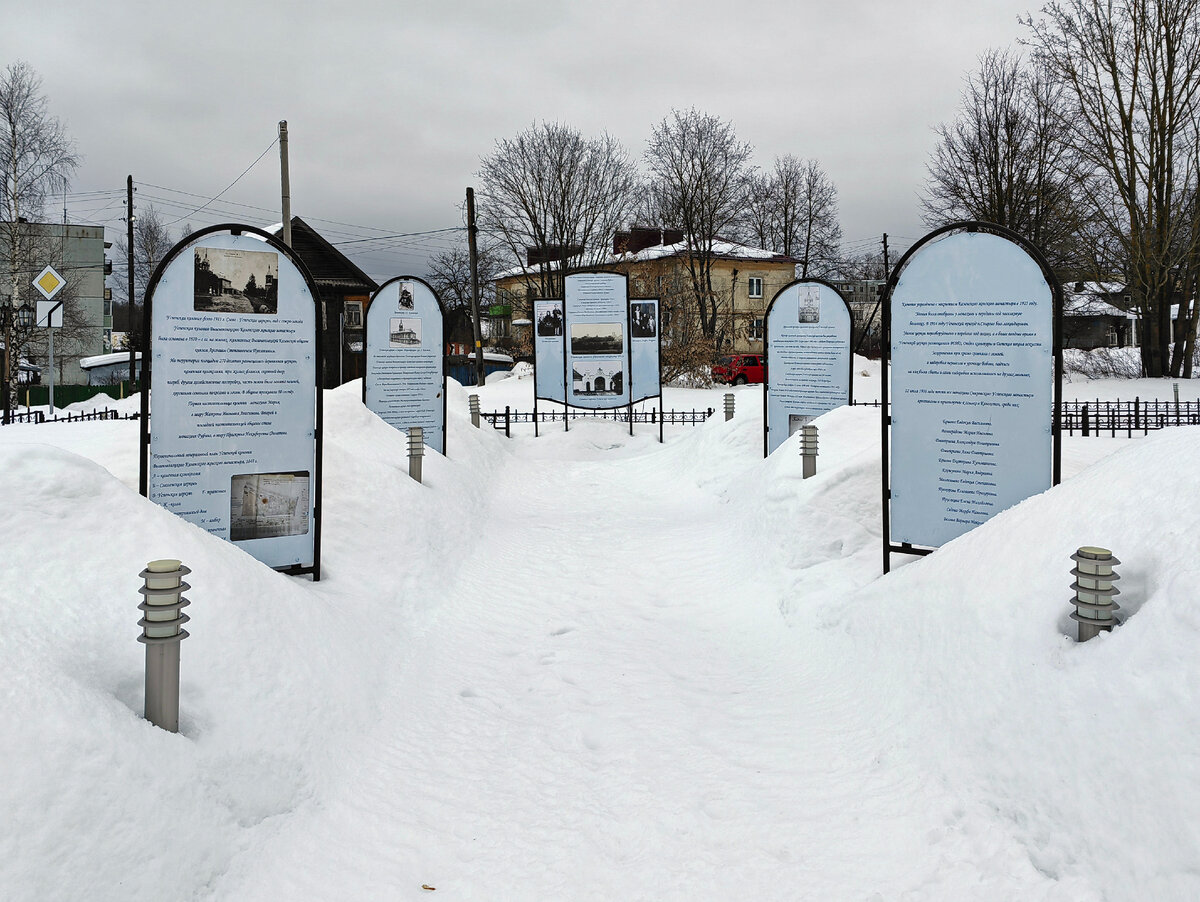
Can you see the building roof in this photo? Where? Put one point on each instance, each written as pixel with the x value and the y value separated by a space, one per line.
pixel 330 268
pixel 88 363
pixel 725 250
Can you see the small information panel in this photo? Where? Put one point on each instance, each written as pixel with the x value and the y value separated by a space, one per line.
pixel 644 348
pixel 405 381
pixel 596 335
pixel 232 444
pixel 972 384
pixel 548 351
pixel 808 358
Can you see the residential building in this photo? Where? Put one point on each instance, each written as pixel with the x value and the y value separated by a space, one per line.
pixel 745 279
pixel 77 254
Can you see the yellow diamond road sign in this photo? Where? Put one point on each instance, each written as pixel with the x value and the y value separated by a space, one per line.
pixel 49 283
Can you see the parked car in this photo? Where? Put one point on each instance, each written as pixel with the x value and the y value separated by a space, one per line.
pixel 739 369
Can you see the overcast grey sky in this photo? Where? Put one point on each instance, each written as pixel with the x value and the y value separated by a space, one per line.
pixel 391 104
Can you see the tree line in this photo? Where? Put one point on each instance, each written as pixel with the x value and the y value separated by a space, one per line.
pixel 1086 141
pixel 555 197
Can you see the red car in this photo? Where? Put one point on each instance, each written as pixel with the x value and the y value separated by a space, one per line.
pixel 739 369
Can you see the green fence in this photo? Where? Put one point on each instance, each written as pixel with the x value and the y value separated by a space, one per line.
pixel 39 395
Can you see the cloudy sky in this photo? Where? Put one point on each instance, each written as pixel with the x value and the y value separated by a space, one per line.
pixel 390 105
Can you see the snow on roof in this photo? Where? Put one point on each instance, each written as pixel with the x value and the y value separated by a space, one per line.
pixel 106 359
pixel 728 249
pixel 1089 305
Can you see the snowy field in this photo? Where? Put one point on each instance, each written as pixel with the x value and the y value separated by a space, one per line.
pixel 590 666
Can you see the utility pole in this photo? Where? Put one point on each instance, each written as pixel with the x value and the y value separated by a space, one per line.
pixel 879 300
pixel 129 274
pixel 285 182
pixel 471 230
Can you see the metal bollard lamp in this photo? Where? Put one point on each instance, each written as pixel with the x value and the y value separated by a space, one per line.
pixel 1094 591
pixel 473 403
pixel 162 631
pixel 728 407
pixel 808 450
pixel 416 450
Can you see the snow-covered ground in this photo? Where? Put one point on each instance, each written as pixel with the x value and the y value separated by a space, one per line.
pixel 590 666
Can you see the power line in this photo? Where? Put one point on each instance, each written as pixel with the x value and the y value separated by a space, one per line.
pixel 227 187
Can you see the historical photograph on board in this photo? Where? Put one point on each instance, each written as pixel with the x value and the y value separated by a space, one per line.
pixel 268 505
pixel 549 316
pixel 643 321
pixel 405 332
pixel 809 303
pixel 599 377
pixel 796 422
pixel 229 281
pixel 597 338
pixel 408 291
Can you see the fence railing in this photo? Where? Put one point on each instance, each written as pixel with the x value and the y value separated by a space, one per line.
pixel 1113 418
pixel 38 416
pixel 504 419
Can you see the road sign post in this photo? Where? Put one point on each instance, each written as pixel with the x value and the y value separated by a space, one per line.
pixel 49 313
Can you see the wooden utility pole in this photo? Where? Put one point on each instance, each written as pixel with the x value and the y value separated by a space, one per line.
pixel 471 230
pixel 285 183
pixel 129 274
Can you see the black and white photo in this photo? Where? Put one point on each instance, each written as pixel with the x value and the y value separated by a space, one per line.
pixel 405 332
pixel 407 296
pixel 597 338
pixel 268 505
pixel 599 377
pixel 235 281
pixel 809 302
pixel 643 319
pixel 549 316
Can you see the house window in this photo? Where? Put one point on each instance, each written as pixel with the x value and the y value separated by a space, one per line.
pixel 353 314
pixel 755 285
pixel 756 329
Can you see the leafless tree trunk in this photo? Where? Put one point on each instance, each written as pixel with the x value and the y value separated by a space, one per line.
pixel 553 191
pixel 794 211
pixel 1131 78
pixel 699 172
pixel 36 159
pixel 1003 161
pixel 152 241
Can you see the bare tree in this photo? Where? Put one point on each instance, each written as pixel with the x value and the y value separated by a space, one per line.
pixel 551 191
pixel 152 241
pixel 37 159
pixel 699 178
pixel 450 275
pixel 1131 81
pixel 1003 160
pixel 793 210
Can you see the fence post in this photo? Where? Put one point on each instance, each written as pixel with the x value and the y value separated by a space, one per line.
pixel 1175 389
pixel 416 450
pixel 507 422
pixel 1084 414
pixel 161 623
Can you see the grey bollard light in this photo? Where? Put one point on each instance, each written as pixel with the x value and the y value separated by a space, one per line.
pixel 416 450
pixel 728 407
pixel 1094 591
pixel 473 402
pixel 808 450
pixel 162 631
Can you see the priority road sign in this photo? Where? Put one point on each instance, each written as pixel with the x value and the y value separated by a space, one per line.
pixel 49 283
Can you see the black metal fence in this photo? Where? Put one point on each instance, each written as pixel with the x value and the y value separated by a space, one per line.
pixel 1114 418
pixel 504 419
pixel 37 416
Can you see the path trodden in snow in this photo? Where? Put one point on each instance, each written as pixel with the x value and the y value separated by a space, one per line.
pixel 608 704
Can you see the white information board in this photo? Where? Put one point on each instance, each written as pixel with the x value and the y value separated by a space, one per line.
pixel 548 350
pixel 405 379
pixel 972 385
pixel 808 358
pixel 233 377
pixel 596 335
